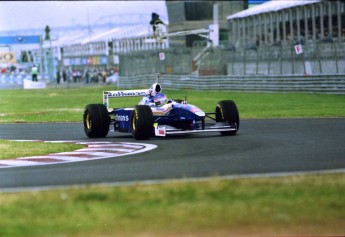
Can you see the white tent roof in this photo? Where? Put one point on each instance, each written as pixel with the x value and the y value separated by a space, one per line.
pixel 116 33
pixel 271 6
pixel 119 33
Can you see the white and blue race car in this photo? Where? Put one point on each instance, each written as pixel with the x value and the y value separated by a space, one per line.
pixel 155 115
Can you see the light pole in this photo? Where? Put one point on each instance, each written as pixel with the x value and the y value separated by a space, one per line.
pixel 49 54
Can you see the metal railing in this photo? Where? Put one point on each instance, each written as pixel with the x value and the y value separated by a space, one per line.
pixel 332 84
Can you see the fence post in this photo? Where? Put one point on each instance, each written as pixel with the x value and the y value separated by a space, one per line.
pixel 318 57
pixel 269 61
pixel 257 61
pixel 335 48
pixel 280 60
pixel 292 53
pixel 245 62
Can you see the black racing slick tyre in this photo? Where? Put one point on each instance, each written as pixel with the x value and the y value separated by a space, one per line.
pixel 226 110
pixel 142 122
pixel 96 120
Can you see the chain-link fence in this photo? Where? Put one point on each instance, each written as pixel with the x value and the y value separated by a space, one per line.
pixel 175 61
pixel 317 58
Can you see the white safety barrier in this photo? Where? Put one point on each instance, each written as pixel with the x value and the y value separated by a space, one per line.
pixel 28 84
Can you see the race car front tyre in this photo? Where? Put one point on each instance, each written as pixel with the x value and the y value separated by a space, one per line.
pixel 96 120
pixel 226 110
pixel 142 122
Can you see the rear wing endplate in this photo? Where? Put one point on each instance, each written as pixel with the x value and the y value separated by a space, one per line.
pixel 119 94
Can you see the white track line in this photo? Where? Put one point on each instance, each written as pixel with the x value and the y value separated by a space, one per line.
pixel 94 150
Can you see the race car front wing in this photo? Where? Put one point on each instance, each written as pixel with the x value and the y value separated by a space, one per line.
pixel 163 130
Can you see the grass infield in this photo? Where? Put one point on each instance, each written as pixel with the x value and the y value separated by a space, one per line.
pixel 15 149
pixel 67 105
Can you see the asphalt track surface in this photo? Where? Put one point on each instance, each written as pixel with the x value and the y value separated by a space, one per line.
pixel 261 146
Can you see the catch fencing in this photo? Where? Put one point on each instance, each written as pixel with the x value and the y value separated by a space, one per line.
pixel 317 58
pixel 332 84
pixel 272 68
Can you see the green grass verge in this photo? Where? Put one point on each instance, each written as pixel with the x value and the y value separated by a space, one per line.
pixel 66 105
pixel 15 149
pixel 290 206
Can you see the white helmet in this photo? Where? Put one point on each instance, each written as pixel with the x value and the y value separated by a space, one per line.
pixel 155 88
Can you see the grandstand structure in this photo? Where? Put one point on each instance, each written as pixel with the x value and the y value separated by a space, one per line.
pixel 284 22
pixel 262 39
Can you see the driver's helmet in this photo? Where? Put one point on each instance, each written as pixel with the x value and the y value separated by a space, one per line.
pixel 160 99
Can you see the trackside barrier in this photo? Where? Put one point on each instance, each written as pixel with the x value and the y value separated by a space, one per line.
pixel 331 84
pixel 18 81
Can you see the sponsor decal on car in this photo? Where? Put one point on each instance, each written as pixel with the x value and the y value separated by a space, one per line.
pixel 122 118
pixel 126 93
pixel 159 131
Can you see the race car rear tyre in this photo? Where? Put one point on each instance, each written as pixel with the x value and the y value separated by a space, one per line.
pixel 226 110
pixel 96 120
pixel 142 122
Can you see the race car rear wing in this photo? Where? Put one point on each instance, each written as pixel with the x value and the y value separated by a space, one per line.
pixel 123 93
pixel 155 88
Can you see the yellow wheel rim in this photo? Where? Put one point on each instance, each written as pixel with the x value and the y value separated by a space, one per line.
pixel 88 121
pixel 134 121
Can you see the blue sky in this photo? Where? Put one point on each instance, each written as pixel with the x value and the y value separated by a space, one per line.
pixel 15 15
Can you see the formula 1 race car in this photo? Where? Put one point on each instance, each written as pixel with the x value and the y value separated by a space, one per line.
pixel 155 115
